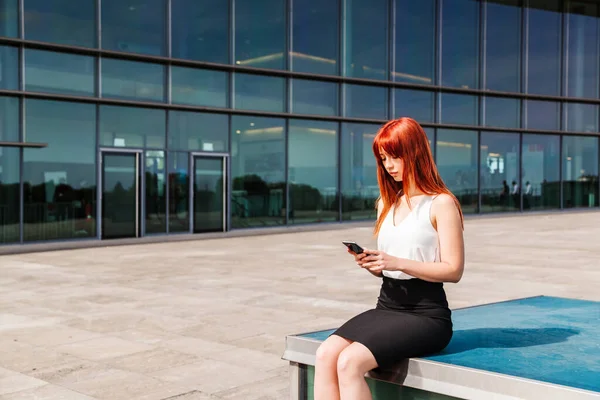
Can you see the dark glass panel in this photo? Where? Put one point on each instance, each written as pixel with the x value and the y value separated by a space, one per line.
pixel 315 36
pixel 580 171
pixel 456 158
pixel 582 58
pixel 9 18
pixel 366 39
pixel 260 33
pixel 179 192
pixel 415 41
pixel 359 172
pixel 258 171
pixel 460 109
pixel 200 30
pixel 209 207
pixel 503 46
pixel 581 117
pixel 198 131
pixel 502 112
pixel 315 97
pixel 61 21
pixel 541 172
pixel 499 175
pixel 460 43
pixel 59 181
pixel 9 67
pixel 543 115
pixel 134 26
pixel 156 192
pixel 132 127
pixel 366 101
pixel 199 87
pixel 544 58
pixel 257 92
pixel 416 104
pixel 133 80
pixel 9 171
pixel 9 119
pixel 62 73
pixel 121 196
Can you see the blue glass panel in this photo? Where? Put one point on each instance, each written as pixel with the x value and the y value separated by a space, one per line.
pixel 580 171
pixel 460 43
pixel 315 36
pixel 199 87
pixel 581 117
pixel 582 58
pixel 9 71
pixel 47 71
pixel 417 104
pixel 200 30
pixel 179 191
pixel 366 101
pixel 198 131
pixel 10 193
pixel 459 109
pixel 260 33
pixel 61 21
pixel 315 97
pixel 415 41
pixel 134 26
pixel 502 112
pixel 543 115
pixel 9 119
pixel 132 127
pixel 499 173
pixel 132 80
pixel 543 65
pixel 541 171
pixel 366 38
pixel 9 18
pixel 503 46
pixel 257 92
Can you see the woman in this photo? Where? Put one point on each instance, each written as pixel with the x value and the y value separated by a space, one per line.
pixel 420 246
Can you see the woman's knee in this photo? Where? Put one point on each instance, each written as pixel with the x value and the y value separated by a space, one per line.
pixel 355 361
pixel 329 351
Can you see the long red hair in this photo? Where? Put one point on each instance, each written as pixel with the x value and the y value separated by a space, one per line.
pixel 404 138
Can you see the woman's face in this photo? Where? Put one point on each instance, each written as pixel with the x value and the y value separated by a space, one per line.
pixel 393 166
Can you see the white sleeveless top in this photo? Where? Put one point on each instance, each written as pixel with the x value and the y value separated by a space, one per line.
pixel 414 237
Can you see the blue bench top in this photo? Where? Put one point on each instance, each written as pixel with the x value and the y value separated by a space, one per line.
pixel 548 339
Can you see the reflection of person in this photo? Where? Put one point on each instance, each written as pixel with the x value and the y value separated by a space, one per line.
pixel 420 246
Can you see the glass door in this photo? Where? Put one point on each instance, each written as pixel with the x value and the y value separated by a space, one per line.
pixel 120 195
pixel 209 194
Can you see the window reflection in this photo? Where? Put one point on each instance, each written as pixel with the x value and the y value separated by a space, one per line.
pixel 499 175
pixel 258 171
pixel 581 117
pixel 9 119
pixel 50 72
pixel 543 115
pixel 359 172
pixel 312 172
pixel 366 101
pixel 156 188
pixel 10 197
pixel 179 192
pixel 462 109
pixel 199 87
pixel 541 172
pixel 416 104
pixel 198 131
pixel 260 33
pixel 460 43
pixel 315 36
pixel 315 97
pixel 544 58
pixel 503 46
pixel 366 30
pixel 61 21
pixel 580 171
pixel 9 18
pixel 502 112
pixel 456 158
pixel 9 73
pixel 59 181
pixel 200 30
pixel 582 57
pixel 132 127
pixel 132 80
pixel 257 92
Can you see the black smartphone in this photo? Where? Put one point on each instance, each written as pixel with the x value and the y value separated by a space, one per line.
pixel 353 246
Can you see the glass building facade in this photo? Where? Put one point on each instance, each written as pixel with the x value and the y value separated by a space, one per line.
pixel 129 118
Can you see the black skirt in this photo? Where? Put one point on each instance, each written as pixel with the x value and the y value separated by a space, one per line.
pixel 411 319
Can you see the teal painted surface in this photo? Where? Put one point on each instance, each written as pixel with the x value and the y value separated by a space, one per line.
pixel 547 339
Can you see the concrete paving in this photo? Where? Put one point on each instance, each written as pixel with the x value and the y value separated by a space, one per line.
pixel 207 319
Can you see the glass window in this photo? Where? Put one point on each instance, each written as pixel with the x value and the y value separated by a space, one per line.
pixel 502 112
pixel 257 92
pixel 258 171
pixel 315 36
pixel 580 171
pixel 9 18
pixel 156 192
pixel 503 46
pixel 544 57
pixel 260 33
pixel 132 80
pixel 9 119
pixel 59 181
pixel 134 26
pixel 430 132
pixel 10 194
pixel 313 171
pixel 541 172
pixel 581 117
pixel 50 72
pixel 582 57
pixel 543 115
pixel 460 43
pixel 196 131
pixel 200 30
pixel 61 21
pixel 199 87
pixel 415 41
pixel 366 39
pixel 315 97
pixel 366 101
pixel 132 127
pixel 9 68
pixel 499 174
pixel 179 192
pixel 460 109
pixel 456 158
pixel 359 172
pixel 416 104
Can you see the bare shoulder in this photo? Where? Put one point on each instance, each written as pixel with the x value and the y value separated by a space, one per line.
pixel 444 208
pixel 444 200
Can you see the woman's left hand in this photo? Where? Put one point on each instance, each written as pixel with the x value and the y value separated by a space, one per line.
pixel 377 261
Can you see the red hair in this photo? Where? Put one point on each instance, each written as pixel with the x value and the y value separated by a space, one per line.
pixel 404 138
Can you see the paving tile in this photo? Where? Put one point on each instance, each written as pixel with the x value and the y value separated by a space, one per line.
pixel 52 335
pixel 46 392
pixel 249 358
pixel 29 358
pixel 195 346
pixel 103 348
pixel 152 360
pixel 275 388
pixel 18 382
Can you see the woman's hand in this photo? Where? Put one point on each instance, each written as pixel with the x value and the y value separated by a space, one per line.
pixel 378 261
pixel 360 259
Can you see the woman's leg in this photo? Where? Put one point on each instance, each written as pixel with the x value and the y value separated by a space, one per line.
pixel 353 363
pixel 326 377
